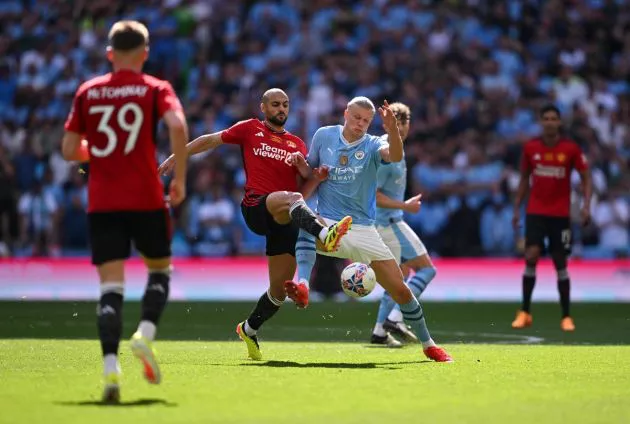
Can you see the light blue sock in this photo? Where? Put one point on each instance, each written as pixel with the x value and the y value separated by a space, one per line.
pixel 414 317
pixel 420 280
pixel 305 255
pixel 384 308
pixel 417 284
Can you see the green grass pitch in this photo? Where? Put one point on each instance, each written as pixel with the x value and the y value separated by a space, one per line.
pixel 318 368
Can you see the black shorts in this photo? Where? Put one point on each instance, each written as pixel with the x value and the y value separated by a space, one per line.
pixel 281 239
pixel 556 229
pixel 111 234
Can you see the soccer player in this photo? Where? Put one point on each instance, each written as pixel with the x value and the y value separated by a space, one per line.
pixel 404 243
pixel 548 161
pixel 353 158
pixel 117 114
pixel 272 206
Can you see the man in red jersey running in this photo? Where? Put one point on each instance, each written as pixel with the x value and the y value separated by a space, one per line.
pixel 272 206
pixel 117 114
pixel 548 162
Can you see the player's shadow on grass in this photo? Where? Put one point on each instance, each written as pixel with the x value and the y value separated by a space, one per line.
pixel 122 404
pixel 351 365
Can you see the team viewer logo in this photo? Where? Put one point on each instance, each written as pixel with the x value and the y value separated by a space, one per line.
pixel 359 155
pixel 343 160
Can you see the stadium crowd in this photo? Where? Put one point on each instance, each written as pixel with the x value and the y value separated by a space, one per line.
pixel 474 73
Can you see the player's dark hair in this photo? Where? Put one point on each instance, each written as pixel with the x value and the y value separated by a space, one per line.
pixel 549 108
pixel 128 35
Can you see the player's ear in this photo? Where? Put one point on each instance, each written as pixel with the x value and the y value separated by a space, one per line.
pixel 145 57
pixel 262 107
pixel 110 53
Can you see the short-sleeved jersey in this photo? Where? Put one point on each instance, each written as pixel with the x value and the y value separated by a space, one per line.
pixel 392 182
pixel 351 185
pixel 117 114
pixel 265 157
pixel 550 167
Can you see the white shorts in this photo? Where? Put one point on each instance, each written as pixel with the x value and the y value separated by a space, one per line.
pixel 403 242
pixel 361 244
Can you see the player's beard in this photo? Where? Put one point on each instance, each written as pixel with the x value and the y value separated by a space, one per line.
pixel 277 120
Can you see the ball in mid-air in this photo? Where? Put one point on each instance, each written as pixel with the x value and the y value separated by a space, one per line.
pixel 358 280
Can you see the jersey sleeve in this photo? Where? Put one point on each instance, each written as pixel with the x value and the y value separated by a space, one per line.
pixel 75 122
pixel 167 99
pixel 237 133
pixel 313 152
pixel 379 144
pixel 525 165
pixel 580 163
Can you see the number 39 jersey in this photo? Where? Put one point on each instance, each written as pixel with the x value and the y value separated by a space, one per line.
pixel 117 114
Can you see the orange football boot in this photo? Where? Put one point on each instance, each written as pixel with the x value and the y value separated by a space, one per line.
pixel 523 319
pixel 567 324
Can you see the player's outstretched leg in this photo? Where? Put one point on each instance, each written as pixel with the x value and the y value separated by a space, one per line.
pixel 109 323
pixel 153 304
pixel 389 276
pixel 305 256
pixel 281 269
pixel 425 272
pixel 330 237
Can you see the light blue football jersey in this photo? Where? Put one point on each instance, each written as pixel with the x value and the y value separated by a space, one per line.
pixel 351 185
pixel 392 181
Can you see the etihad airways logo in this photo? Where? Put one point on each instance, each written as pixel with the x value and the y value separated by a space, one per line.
pixel 344 173
pixel 271 152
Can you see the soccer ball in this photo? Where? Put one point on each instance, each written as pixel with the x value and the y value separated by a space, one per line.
pixel 358 280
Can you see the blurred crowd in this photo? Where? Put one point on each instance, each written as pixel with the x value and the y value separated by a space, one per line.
pixel 474 73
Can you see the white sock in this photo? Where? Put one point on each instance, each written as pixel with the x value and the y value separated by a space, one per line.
pixel 249 330
pixel 395 315
pixel 428 344
pixel 379 330
pixel 110 364
pixel 304 281
pixel 322 234
pixel 147 329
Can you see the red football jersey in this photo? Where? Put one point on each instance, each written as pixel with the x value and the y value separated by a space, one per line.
pixel 550 168
pixel 265 157
pixel 118 114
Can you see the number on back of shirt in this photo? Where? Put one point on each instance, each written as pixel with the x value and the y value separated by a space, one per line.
pixel 130 126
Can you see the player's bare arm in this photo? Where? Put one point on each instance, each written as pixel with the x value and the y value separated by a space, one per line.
pixel 587 189
pixel 411 205
pixel 71 147
pixel 178 134
pixel 521 192
pixel 299 162
pixel 393 153
pixel 309 185
pixel 198 145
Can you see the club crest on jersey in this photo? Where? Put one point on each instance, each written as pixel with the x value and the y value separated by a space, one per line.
pixel 561 157
pixel 343 160
pixel 359 154
pixel 291 144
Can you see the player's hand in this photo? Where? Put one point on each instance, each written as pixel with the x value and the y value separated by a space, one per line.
pixel 321 173
pixel 177 191
pixel 516 218
pixel 585 214
pixel 390 122
pixel 297 159
pixel 166 168
pixel 412 205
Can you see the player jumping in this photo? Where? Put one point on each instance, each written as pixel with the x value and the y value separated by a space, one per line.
pixel 548 162
pixel 272 206
pixel 408 249
pixel 117 113
pixel 353 158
